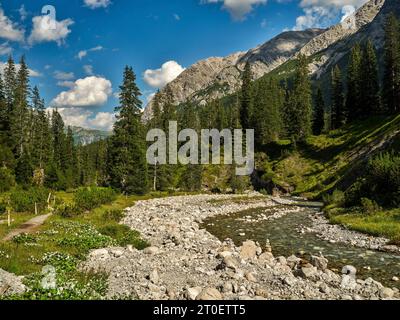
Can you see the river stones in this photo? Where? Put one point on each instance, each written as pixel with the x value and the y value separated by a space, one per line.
pixel 248 250
pixel 192 293
pixel 320 263
pixel 386 293
pixel 10 284
pixel 209 294
pixel 151 250
pixel 306 272
pixel 350 271
pixel 293 261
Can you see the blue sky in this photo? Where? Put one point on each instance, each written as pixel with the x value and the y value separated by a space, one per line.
pixel 77 53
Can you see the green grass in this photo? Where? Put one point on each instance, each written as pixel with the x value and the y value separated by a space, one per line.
pixel 383 223
pixel 325 161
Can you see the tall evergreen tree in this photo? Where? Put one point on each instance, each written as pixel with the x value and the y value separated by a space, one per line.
pixel 41 150
pixel 267 117
pixel 246 100
pixel 370 96
pixel 127 153
pixel 18 121
pixel 319 113
pixel 354 105
pixel 391 85
pixel 338 112
pixel 298 104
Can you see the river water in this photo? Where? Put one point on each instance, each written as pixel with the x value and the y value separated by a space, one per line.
pixel 286 240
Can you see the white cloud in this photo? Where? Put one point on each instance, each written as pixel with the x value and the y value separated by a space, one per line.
pixel 22 12
pixel 87 92
pixel 177 17
pixel 10 30
pixel 88 69
pixel 322 13
pixel 83 53
pixel 61 75
pixel 160 77
pixel 238 8
pixel 47 29
pixel 67 84
pixel 79 117
pixel 95 4
pixel 5 49
pixel 32 73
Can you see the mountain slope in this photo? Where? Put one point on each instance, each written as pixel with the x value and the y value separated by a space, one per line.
pixel 84 136
pixel 216 77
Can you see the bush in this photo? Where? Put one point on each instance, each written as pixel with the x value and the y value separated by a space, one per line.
pixel 68 210
pixel 3 208
pixel 24 200
pixel 90 198
pixel 369 206
pixel 337 199
pixel 380 183
pixel 123 235
pixel 7 180
pixel 113 215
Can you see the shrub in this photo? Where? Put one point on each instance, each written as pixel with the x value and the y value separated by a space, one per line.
pixel 24 200
pixel 113 215
pixel 380 183
pixel 90 198
pixel 7 180
pixel 3 208
pixel 337 198
pixel 369 206
pixel 68 210
pixel 123 235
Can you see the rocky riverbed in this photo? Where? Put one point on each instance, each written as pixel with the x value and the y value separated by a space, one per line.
pixel 187 262
pixel 339 234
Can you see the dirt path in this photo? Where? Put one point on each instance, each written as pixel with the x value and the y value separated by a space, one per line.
pixel 27 227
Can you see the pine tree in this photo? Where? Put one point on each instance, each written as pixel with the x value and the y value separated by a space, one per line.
pixel 319 113
pixel 127 156
pixel 10 83
pixel 267 117
pixel 246 98
pixel 354 106
pixel 370 97
pixel 41 136
pixel 4 121
pixel 338 115
pixel 18 121
pixel 58 135
pixel 298 103
pixel 391 85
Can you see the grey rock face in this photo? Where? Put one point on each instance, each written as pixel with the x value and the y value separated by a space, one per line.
pixel 10 284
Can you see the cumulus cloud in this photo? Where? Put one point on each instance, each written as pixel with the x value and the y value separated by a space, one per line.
pixel 160 77
pixel 95 4
pixel 83 53
pixel 47 29
pixel 79 117
pixel 5 49
pixel 88 69
pixel 238 8
pixel 322 13
pixel 61 75
pixel 67 84
pixel 10 30
pixel 87 92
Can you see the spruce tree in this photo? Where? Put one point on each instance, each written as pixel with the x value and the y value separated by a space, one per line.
pixel 338 114
pixel 18 121
pixel 298 103
pixel 41 136
pixel 319 113
pixel 391 84
pixel 246 98
pixel 267 117
pixel 370 96
pixel 354 102
pixel 127 153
